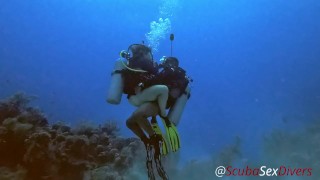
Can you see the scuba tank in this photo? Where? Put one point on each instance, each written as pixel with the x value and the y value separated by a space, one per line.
pixel 116 86
pixel 176 111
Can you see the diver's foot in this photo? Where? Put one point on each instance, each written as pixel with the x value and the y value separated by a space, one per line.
pixel 162 173
pixel 156 142
pixel 163 117
pixel 166 120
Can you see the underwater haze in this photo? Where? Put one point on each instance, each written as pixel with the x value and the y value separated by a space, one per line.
pixel 255 66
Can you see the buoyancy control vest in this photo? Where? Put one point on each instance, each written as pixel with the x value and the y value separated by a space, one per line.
pixel 173 78
pixel 132 79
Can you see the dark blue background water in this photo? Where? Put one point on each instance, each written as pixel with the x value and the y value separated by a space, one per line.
pixel 255 64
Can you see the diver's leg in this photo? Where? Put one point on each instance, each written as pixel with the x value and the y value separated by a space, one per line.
pixel 147 110
pixel 139 119
pixel 157 93
pixel 135 128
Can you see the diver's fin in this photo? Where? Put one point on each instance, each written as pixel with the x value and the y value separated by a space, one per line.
pixel 172 134
pixel 163 142
pixel 149 163
pixel 156 143
pixel 162 173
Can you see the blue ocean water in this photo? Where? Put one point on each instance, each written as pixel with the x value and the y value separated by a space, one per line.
pixel 255 64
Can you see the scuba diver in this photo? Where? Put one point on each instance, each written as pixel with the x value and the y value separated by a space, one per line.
pixel 152 92
pixel 173 77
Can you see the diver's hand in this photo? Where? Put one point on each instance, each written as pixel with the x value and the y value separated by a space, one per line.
pixel 166 120
pixel 138 88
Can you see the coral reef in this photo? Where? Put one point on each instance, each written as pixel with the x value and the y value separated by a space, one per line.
pixel 31 148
